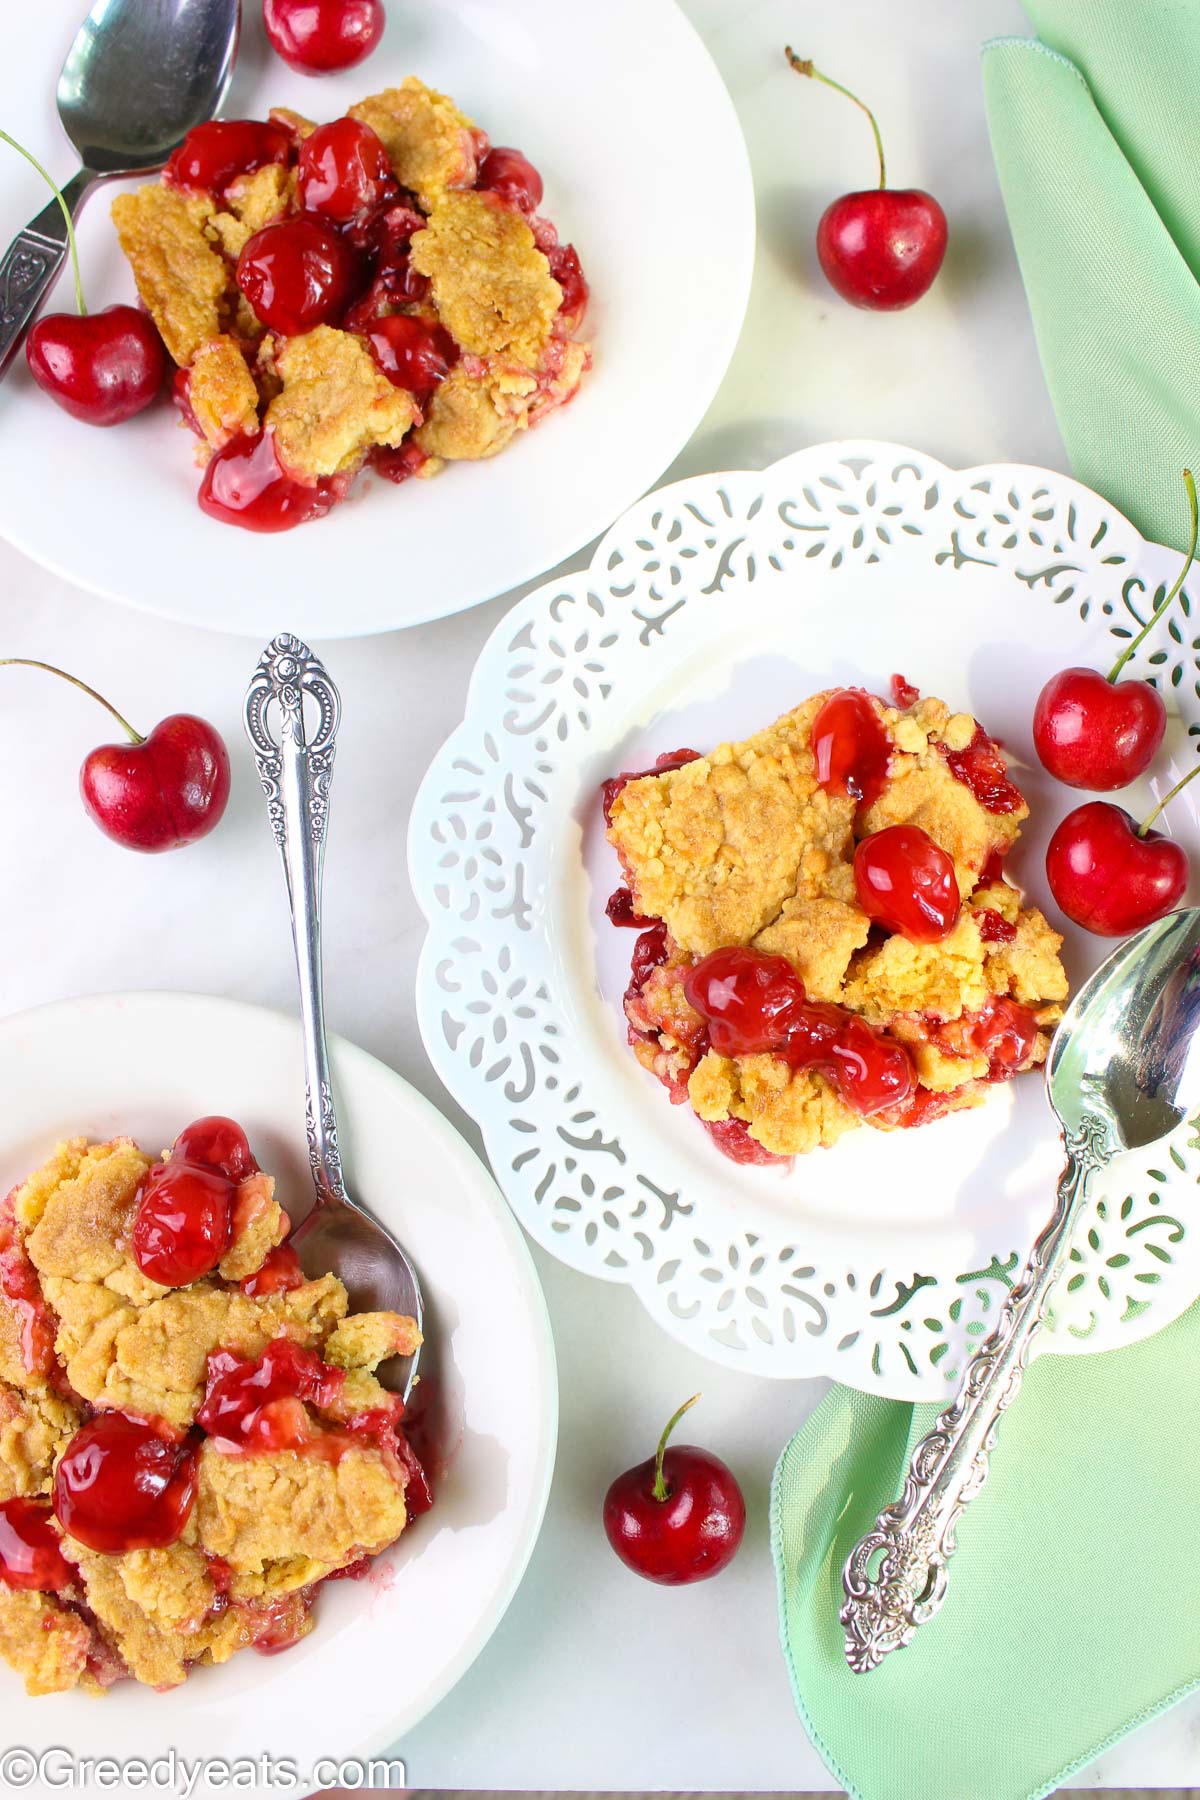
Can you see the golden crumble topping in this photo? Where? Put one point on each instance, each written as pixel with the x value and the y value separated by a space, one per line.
pixel 320 1479
pixel 430 144
pixel 751 848
pixel 335 403
pixel 221 392
pixel 184 281
pixel 491 284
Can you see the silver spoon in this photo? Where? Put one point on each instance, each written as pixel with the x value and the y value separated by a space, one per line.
pixel 338 1236
pixel 138 76
pixel 1121 1074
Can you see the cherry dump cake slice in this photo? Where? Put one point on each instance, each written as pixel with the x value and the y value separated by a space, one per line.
pixel 380 289
pixel 827 939
pixel 192 1435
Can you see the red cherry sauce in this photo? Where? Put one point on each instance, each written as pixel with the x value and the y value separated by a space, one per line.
pixel 400 463
pixel 732 1138
pixel 672 759
pixel 126 1482
pixel 904 694
pixel 20 1287
pixel 993 868
pixel 280 1273
pixel 756 1004
pixel 343 173
pixel 181 399
pixel 213 155
pixel 216 1142
pixel 994 928
pixel 618 910
pixel 190 1207
pixel 411 354
pixel 566 270
pixel 251 1406
pixel 982 769
pixel 357 1570
pixel 511 177
pixel 850 747
pixel 281 1623
pixel 245 484
pixel 30 1556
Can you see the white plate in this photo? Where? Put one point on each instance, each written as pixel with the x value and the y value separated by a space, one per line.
pixel 384 1651
pixel 645 169
pixel 710 608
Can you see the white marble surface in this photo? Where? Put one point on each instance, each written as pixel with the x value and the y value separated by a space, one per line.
pixel 595 1680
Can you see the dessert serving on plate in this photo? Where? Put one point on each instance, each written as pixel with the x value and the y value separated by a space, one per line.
pixel 379 289
pixel 192 1435
pixel 827 938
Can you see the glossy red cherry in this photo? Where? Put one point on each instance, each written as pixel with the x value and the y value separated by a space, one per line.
pixel 126 1482
pixel 245 484
pixel 981 768
pixel 279 1274
pixel 162 791
pixel 881 247
pixel 101 367
pixel 412 354
pixel 317 37
pixel 512 177
pixel 851 748
pixel 214 154
pixel 30 1552
pixel 215 1142
pixel 1090 732
pixel 679 1516
pixel 747 999
pixel 1109 877
pixel 299 274
pixel 871 1072
pixel 344 174
pixel 566 270
pixel 907 883
pixel 256 1405
pixel 183 1224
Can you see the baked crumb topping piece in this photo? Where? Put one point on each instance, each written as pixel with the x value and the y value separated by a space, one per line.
pixel 431 145
pixel 221 392
pixel 183 280
pixel 491 284
pixel 300 1471
pixel 753 846
pixel 334 404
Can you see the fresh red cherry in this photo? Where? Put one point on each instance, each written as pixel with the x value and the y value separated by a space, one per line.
pixel 677 1517
pixel 748 999
pixel 850 747
pixel 1094 731
pixel 881 247
pixel 299 274
pixel 183 1224
pixel 412 354
pixel 512 177
pixel 344 173
pixel 101 367
pixel 1111 876
pixel 279 1274
pixel 214 154
pixel 126 1482
pixel 157 792
pixel 215 1142
pixel 30 1553
pixel 907 883
pixel 316 37
pixel 1090 732
pixel 245 484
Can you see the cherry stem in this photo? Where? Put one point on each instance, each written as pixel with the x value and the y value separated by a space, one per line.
pixel 660 1490
pixel 28 662
pixel 803 65
pixel 66 213
pixel 1170 794
pixel 1157 614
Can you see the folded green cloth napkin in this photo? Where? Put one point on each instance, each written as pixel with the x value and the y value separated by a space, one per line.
pixel 1074 1598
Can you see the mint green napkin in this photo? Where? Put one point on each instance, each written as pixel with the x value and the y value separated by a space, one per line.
pixel 1075 1595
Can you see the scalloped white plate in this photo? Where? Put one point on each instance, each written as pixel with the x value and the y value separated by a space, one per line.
pixel 385 1650
pixel 610 103
pixel 711 607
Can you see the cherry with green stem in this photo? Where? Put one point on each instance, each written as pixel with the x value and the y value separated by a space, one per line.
pixel 880 248
pixel 152 793
pixel 100 367
pixel 679 1516
pixel 1095 731
pixel 1112 875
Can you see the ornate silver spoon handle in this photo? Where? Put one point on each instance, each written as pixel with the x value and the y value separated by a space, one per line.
pixel 31 262
pixel 895 1578
pixel 295 773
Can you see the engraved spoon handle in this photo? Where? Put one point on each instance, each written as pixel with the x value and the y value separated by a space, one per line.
pixel 914 1537
pixel 295 772
pixel 30 264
